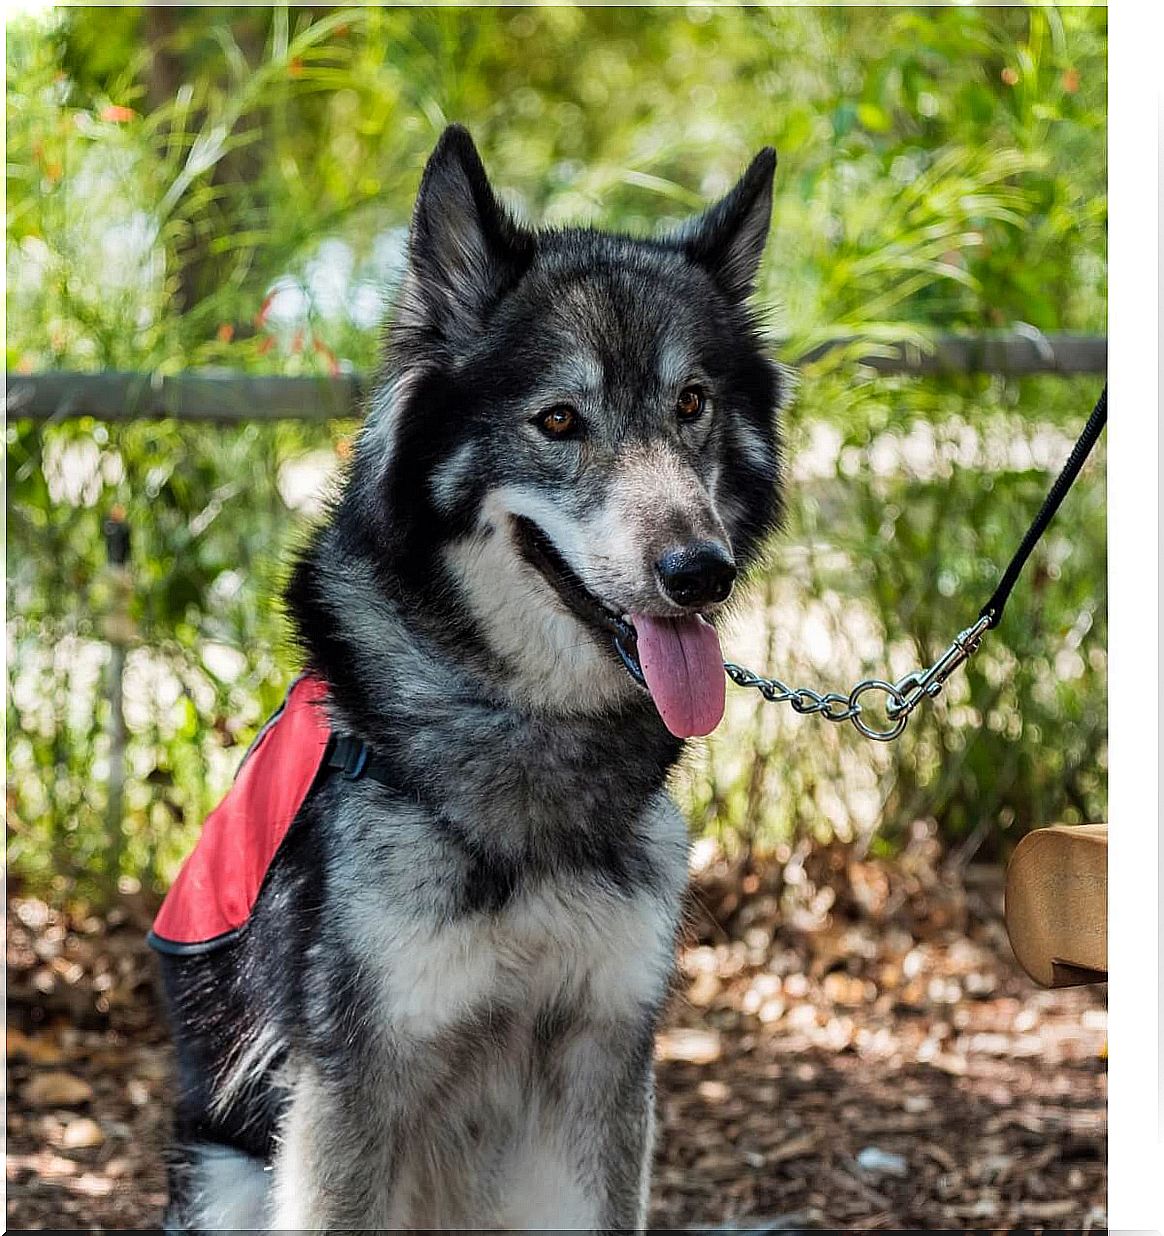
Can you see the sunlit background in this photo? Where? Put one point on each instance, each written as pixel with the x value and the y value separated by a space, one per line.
pixel 231 188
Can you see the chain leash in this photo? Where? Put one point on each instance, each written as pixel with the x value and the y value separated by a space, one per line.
pixel 901 697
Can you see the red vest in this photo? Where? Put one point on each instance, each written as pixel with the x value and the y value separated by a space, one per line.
pixel 212 898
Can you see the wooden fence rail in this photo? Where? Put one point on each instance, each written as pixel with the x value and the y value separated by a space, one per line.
pixel 227 397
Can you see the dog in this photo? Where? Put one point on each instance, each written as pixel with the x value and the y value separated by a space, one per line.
pixel 437 1006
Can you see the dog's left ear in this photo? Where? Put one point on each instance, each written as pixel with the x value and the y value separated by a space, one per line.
pixel 728 238
pixel 463 248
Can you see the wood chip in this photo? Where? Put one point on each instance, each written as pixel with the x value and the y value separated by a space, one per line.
pixel 689 1046
pixel 82 1134
pixel 57 1089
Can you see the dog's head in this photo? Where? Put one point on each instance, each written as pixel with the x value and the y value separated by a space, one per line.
pixel 574 439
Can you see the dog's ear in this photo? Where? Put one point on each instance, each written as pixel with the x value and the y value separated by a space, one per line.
pixel 728 238
pixel 463 248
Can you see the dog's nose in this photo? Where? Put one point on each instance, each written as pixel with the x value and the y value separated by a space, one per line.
pixel 696 575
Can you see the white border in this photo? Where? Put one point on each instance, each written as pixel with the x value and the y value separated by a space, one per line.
pixel 1135 1151
pixel 1136 929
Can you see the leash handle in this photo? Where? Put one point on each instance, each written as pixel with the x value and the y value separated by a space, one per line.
pixel 902 697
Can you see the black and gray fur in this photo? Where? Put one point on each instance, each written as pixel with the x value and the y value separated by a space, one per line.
pixel 441 1013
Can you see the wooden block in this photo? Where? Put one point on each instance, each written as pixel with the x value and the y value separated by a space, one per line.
pixel 1056 904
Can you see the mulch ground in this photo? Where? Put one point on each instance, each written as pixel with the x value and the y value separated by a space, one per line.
pixel 851 1045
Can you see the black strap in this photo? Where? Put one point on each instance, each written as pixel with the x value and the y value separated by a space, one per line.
pixel 355 759
pixel 1087 439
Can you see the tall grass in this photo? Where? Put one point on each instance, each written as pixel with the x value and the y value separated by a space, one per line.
pixel 232 187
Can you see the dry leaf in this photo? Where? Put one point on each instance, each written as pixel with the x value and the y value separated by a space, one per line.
pixel 37 1048
pixel 82 1134
pixel 795 1148
pixel 57 1089
pixel 689 1046
pixel 703 990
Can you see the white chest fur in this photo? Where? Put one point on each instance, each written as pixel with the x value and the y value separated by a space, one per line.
pixel 610 950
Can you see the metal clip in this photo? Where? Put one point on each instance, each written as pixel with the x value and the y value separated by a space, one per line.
pixel 928 683
pixel 901 697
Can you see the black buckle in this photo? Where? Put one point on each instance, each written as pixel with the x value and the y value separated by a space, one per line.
pixel 349 755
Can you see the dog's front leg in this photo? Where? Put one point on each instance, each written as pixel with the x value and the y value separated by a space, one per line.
pixel 598 1110
pixel 335 1166
pixel 628 1141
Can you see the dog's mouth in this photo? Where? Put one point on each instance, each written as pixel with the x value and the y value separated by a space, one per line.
pixel 676 659
pixel 542 554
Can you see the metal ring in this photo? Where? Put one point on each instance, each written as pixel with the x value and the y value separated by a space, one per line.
pixel 875 684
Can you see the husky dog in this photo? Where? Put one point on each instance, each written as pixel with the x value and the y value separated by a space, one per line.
pixel 441 1009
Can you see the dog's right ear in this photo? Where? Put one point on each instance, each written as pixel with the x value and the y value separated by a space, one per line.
pixel 463 250
pixel 728 238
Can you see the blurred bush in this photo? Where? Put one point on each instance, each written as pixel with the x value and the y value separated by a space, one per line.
pixel 232 187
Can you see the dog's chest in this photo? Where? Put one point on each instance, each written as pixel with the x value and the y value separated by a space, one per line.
pixel 609 953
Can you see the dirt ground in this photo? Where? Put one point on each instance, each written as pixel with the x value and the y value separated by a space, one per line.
pixel 851 1045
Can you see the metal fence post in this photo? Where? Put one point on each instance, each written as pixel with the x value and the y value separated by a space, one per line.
pixel 118 634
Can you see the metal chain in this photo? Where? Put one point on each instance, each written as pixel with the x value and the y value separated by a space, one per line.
pixel 901 697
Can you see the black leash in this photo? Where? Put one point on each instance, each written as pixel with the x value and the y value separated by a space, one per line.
pixel 993 608
pixel 902 697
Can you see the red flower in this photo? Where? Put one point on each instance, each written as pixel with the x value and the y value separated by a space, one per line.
pixel 116 114
pixel 264 309
pixel 266 344
pixel 295 68
pixel 1010 76
pixel 1070 80
pixel 326 352
pixel 225 333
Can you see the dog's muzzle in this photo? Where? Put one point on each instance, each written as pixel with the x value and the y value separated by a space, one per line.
pixel 540 552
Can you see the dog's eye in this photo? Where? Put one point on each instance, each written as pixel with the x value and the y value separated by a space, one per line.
pixel 560 421
pixel 690 404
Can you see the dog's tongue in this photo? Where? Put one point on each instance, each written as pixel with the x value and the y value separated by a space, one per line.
pixel 683 667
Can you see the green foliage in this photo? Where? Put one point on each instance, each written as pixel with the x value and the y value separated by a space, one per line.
pixel 909 502
pixel 191 187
